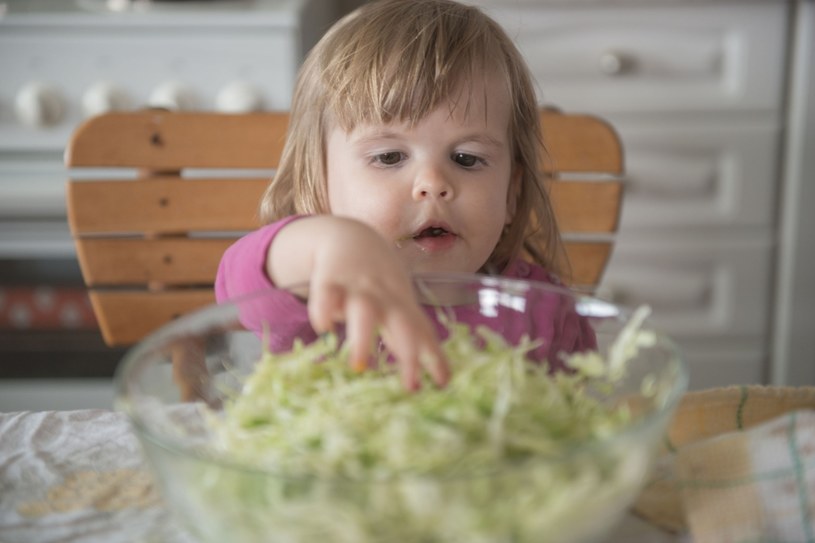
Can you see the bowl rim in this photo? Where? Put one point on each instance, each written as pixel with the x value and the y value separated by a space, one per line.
pixel 177 446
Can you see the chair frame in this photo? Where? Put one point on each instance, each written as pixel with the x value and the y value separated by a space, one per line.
pixel 149 246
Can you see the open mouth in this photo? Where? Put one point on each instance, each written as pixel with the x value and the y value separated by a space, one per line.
pixel 432 232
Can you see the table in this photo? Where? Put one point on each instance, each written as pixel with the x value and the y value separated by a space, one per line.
pixel 79 476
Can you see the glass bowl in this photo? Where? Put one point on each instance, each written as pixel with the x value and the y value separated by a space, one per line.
pixel 176 385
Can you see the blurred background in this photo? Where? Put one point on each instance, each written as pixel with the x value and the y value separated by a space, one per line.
pixel 713 100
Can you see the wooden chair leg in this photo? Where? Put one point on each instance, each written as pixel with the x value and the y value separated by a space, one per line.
pixel 190 372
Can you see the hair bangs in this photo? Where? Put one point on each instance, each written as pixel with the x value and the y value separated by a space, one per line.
pixel 402 66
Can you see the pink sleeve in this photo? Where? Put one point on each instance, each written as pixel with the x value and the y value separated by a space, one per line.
pixel 243 265
pixel 556 318
pixel 278 315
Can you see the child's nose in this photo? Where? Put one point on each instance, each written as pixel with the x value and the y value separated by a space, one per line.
pixel 432 183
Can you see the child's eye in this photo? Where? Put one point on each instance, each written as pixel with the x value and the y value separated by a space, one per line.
pixel 390 158
pixel 465 159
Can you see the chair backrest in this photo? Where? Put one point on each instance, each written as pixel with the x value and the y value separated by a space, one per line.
pixel 149 242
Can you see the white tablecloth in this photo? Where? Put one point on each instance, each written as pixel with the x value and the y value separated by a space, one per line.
pixel 78 476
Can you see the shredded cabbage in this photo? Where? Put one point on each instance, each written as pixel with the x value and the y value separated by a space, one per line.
pixel 356 458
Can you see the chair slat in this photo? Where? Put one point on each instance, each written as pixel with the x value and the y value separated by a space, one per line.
pixel 160 205
pixel 162 140
pixel 125 317
pixel 109 262
pixel 183 261
pixel 587 261
pixel 586 206
pixel 167 261
pixel 580 143
pixel 171 205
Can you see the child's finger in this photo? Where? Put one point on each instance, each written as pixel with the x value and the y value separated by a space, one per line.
pixel 409 370
pixel 361 320
pixel 407 338
pixel 433 360
pixel 325 303
pixel 429 354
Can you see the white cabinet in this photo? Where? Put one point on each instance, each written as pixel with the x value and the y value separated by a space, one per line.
pixel 695 89
pixel 653 56
pixel 63 61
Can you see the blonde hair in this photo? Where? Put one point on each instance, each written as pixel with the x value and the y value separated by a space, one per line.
pixel 397 61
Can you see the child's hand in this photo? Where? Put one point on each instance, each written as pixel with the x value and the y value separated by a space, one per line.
pixel 356 277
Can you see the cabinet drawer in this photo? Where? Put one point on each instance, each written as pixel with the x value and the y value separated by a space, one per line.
pixel 707 286
pixel 700 174
pixel 697 56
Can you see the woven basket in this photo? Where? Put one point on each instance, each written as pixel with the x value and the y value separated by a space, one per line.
pixel 704 416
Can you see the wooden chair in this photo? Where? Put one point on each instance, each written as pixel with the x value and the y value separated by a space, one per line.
pixel 149 247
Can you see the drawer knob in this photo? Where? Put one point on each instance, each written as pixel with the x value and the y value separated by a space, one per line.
pixel 173 95
pixel 39 105
pixel 239 97
pixel 614 63
pixel 102 97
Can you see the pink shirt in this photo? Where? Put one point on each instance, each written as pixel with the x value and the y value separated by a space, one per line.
pixel 282 317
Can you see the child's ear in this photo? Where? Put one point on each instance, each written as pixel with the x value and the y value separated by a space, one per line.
pixel 513 192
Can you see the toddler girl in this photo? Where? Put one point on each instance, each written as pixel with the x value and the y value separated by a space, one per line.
pixel 414 146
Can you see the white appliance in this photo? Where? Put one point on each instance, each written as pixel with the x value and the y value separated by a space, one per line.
pixel 64 60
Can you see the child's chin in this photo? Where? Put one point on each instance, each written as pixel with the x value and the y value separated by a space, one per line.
pixel 439 266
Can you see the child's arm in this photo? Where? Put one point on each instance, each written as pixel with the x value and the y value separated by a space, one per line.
pixel 356 277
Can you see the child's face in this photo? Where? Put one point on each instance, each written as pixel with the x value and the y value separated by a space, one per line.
pixel 438 190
